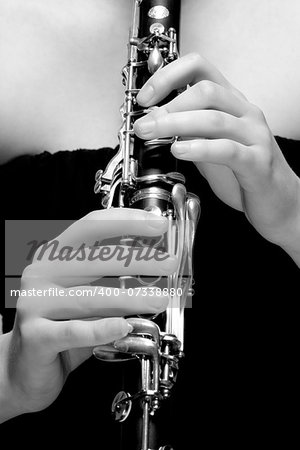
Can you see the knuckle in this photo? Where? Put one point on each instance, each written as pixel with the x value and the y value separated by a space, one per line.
pixel 207 89
pixel 27 274
pixel 264 159
pixel 216 120
pixel 32 275
pixel 25 303
pixel 33 333
pixel 268 163
pixel 262 130
pixel 265 139
pixel 258 113
pixel 159 305
pixel 239 94
pixel 22 309
pixel 232 149
pixel 240 156
pixel 93 215
pixel 26 331
pixel 195 58
pixel 67 332
pixel 97 331
pixel 244 156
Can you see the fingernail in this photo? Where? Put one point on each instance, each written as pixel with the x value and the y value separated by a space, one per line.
pixel 168 266
pixel 119 327
pixel 179 148
pixel 121 346
pixel 130 327
pixel 158 303
pixel 144 126
pixel 157 224
pixel 145 95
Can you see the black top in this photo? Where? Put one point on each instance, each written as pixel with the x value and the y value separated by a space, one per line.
pixel 240 331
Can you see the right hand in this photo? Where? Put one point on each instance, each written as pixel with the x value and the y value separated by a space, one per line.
pixel 230 142
pixel 53 335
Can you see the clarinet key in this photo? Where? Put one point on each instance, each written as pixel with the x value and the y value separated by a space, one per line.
pixel 121 406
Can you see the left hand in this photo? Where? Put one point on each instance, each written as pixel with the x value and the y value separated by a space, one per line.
pixel 229 140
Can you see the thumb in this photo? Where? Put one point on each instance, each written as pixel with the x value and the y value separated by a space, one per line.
pixel 76 356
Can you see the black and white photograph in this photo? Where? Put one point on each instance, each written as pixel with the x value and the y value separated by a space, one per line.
pixel 150 223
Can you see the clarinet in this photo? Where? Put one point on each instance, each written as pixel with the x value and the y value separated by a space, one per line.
pixel 143 175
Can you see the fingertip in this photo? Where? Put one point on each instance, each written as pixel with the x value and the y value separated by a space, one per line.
pixel 145 127
pixel 146 95
pixel 118 327
pixel 156 222
pixel 121 346
pixel 130 327
pixel 140 101
pixel 179 149
pixel 158 304
pixel 137 130
pixel 125 327
pixel 169 265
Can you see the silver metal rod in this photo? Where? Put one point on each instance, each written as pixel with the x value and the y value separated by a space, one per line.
pixel 145 426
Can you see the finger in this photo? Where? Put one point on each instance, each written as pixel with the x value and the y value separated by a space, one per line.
pixel 189 69
pixel 205 95
pixel 76 356
pixel 105 224
pixel 223 183
pixel 55 337
pixel 206 123
pixel 93 301
pixel 83 270
pixel 233 154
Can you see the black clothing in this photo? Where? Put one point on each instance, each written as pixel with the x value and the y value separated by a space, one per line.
pixel 240 330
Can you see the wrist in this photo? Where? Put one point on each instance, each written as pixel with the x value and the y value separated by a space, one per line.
pixel 7 409
pixel 291 242
pixel 293 251
pixel 9 406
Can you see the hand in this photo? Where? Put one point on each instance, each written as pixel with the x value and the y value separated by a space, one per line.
pixel 230 142
pixel 53 335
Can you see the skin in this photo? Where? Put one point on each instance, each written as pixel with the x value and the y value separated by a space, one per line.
pixel 231 145
pixel 54 335
pixel 229 140
pixel 60 83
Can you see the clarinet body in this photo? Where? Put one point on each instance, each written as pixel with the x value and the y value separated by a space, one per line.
pixel 143 175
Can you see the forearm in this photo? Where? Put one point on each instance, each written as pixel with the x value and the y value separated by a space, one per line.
pixel 9 407
pixel 294 252
pixel 292 245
